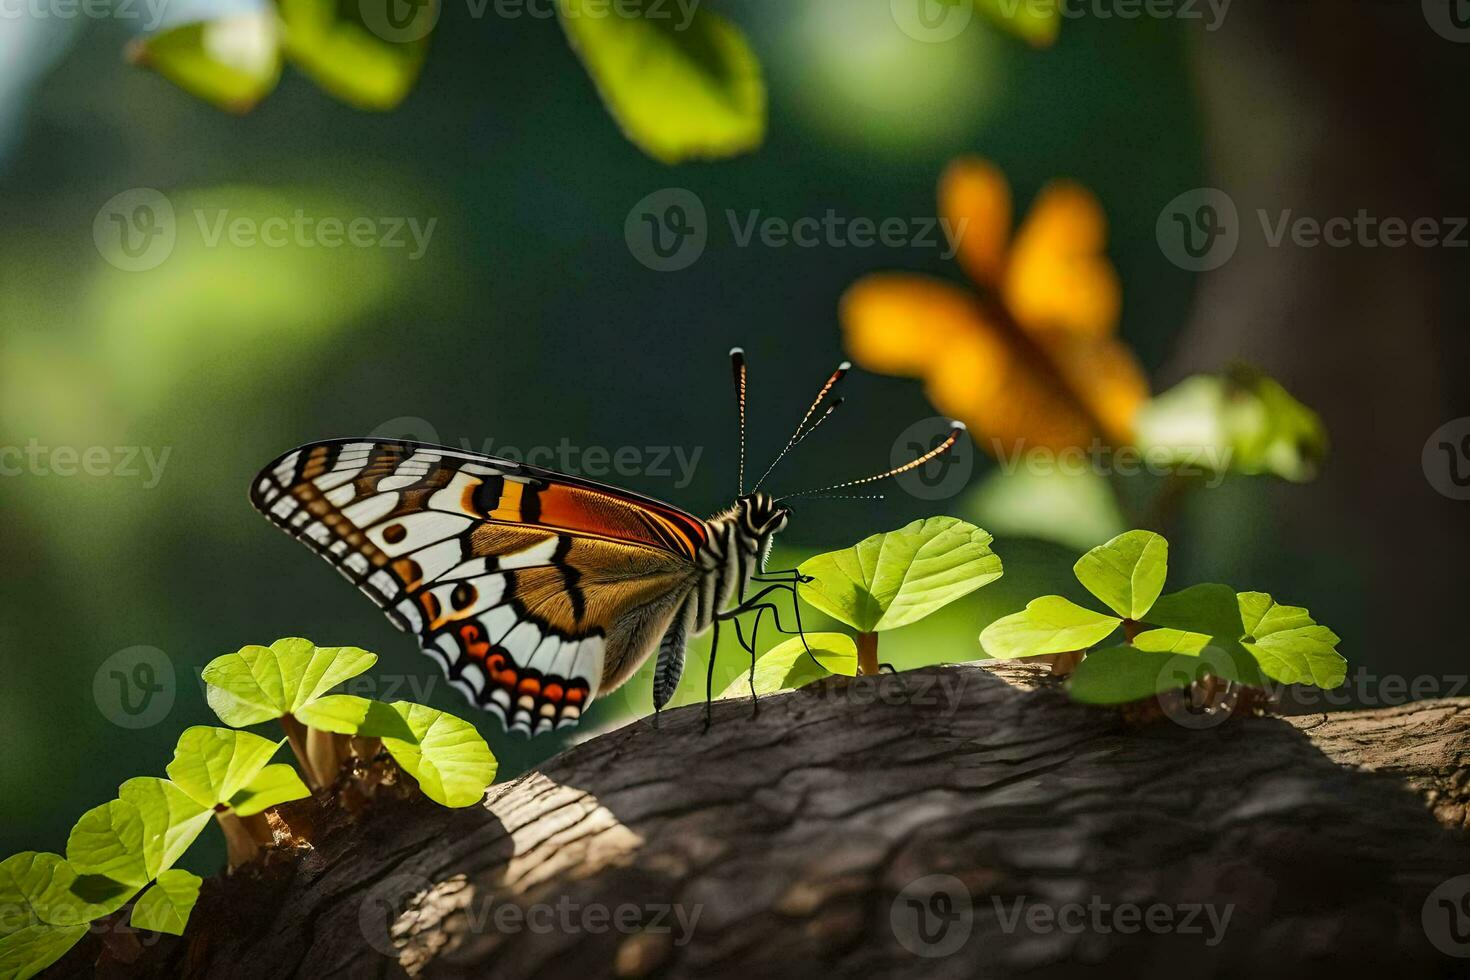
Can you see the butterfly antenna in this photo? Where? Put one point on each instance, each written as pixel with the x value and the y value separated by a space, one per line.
pixel 737 363
pixel 955 428
pixel 798 435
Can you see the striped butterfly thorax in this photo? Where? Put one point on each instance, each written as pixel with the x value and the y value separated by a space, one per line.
pixel 535 591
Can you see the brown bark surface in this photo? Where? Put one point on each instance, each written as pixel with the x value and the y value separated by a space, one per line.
pixel 789 836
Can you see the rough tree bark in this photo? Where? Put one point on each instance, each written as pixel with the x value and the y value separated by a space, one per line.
pixel 792 832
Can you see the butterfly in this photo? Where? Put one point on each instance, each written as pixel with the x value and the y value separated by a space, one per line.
pixel 537 591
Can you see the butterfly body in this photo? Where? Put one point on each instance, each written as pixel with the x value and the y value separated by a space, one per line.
pixel 535 591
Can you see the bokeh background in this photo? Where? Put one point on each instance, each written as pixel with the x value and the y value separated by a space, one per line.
pixel 528 320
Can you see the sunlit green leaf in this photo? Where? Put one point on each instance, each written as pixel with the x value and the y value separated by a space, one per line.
pixel 1127 573
pixel 263 683
pixel 788 666
pixel 681 81
pixel 42 887
pixel 165 907
pixel 450 760
pixel 367 53
pixel 30 950
pixel 347 714
pixel 213 764
pixel 274 784
pixel 233 62
pixel 1037 23
pixel 1288 645
pixel 1050 624
pixel 171 820
pixel 889 580
pixel 1171 641
pixel 108 840
pixel 1260 615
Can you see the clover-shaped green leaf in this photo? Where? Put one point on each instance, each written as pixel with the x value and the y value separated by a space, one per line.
pixel 1127 573
pixel 232 62
pixel 360 52
pixel 893 579
pixel 681 83
pixel 171 820
pixel 212 765
pixel 165 907
pixel 29 950
pixel 274 784
pixel 1050 624
pixel 108 841
pixel 788 665
pixel 450 760
pixel 259 683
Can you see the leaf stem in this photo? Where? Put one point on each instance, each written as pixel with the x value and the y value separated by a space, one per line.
pixel 298 735
pixel 867 653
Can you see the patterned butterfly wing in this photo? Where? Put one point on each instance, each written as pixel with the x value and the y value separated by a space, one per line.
pixel 534 590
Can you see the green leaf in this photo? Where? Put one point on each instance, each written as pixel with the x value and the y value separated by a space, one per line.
pixel 893 579
pixel 1243 422
pixel 1050 624
pixel 363 53
pixel 1121 674
pixel 1171 641
pixel 171 820
pixel 233 62
pixel 681 82
pixel 1260 615
pixel 211 765
pixel 788 666
pixel 166 906
pixel 274 784
pixel 347 714
pixel 1127 573
pixel 108 841
pixel 263 683
pixel 28 951
pixel 1035 23
pixel 45 888
pixel 450 760
pixel 1208 608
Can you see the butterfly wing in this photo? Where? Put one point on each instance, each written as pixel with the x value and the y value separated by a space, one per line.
pixel 534 590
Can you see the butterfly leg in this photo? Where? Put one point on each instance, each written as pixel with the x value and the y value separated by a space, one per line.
pixel 709 676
